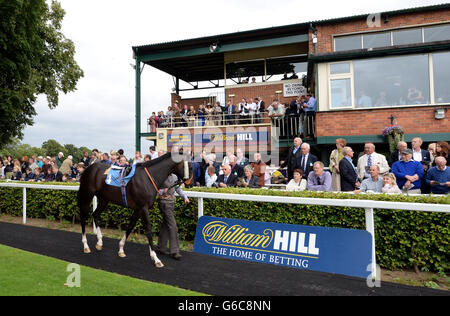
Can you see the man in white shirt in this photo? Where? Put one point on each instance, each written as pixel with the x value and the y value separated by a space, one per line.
pixel 251 110
pixel 420 154
pixel 369 159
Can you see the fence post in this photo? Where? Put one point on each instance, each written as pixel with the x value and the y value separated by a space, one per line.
pixel 200 207
pixel 24 205
pixel 370 227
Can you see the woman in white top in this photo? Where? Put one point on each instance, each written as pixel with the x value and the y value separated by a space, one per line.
pixel 297 183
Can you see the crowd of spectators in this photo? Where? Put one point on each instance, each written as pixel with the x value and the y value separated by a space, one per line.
pixel 408 170
pixel 415 171
pixel 247 111
pixel 59 168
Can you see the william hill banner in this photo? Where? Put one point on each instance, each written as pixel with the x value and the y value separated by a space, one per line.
pixel 326 249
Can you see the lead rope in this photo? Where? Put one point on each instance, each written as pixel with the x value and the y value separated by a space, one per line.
pixel 153 182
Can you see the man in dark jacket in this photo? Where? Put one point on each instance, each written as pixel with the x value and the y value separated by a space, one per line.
pixel 230 113
pixel 227 179
pixel 419 154
pixel 306 160
pixel 291 160
pixel 347 170
pixel 396 154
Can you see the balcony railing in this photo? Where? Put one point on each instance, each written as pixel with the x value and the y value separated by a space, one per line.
pixel 289 126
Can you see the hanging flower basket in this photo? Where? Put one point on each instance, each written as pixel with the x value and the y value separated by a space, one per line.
pixel 394 135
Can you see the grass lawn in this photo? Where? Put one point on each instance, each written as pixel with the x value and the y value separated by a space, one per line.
pixel 25 273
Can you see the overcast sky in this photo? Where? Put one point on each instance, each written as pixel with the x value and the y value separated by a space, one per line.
pixel 101 112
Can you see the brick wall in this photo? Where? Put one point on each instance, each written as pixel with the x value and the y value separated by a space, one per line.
pixel 326 31
pixel 191 101
pixel 267 92
pixel 414 120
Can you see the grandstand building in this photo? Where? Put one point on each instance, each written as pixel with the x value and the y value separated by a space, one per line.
pixel 366 72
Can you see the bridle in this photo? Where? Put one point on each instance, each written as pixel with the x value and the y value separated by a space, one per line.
pixel 177 183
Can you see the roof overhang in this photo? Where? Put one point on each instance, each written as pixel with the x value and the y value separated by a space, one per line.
pixel 203 59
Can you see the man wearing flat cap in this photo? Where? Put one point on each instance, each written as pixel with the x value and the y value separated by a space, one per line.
pixel 408 173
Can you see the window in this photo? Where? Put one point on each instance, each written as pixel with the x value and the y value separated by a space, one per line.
pixel 441 77
pixel 391 81
pixel 437 33
pixel 347 43
pixel 341 93
pixel 340 68
pixel 377 40
pixel 409 36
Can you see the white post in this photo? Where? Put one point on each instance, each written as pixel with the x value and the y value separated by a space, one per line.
pixel 200 207
pixel 370 227
pixel 94 207
pixel 24 205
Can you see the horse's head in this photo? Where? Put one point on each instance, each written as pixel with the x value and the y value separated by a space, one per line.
pixel 183 167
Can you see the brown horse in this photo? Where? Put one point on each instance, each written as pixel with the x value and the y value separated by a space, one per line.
pixel 141 192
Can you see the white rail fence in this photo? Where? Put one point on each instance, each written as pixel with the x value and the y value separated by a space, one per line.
pixel 367 205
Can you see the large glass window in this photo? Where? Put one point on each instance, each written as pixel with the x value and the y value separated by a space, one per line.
pixel 404 37
pixel 441 62
pixel 347 43
pixel 341 93
pixel 437 33
pixel 391 81
pixel 377 40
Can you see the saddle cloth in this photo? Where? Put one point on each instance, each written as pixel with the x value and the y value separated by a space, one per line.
pixel 114 178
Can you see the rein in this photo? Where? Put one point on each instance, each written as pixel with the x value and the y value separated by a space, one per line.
pixel 177 183
pixel 153 182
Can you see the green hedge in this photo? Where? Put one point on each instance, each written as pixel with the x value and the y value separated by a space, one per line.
pixel 404 239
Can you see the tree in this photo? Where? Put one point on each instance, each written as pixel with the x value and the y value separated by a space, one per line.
pixel 52 148
pixel 35 58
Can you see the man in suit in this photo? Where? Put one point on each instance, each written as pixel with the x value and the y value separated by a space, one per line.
pixel 369 159
pixel 349 177
pixel 396 155
pixel 419 154
pixel 291 160
pixel 260 109
pixel 306 160
pixel 227 179
pixel 230 113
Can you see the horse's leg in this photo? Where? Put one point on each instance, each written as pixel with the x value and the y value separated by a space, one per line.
pixel 100 207
pixel 84 201
pixel 148 232
pixel 130 228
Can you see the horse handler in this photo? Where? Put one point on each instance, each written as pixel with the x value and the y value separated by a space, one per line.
pixel 169 229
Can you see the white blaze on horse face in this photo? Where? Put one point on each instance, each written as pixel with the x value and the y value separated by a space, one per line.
pixel 186 170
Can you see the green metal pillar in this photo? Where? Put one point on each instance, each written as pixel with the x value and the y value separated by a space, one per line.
pixel 138 103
